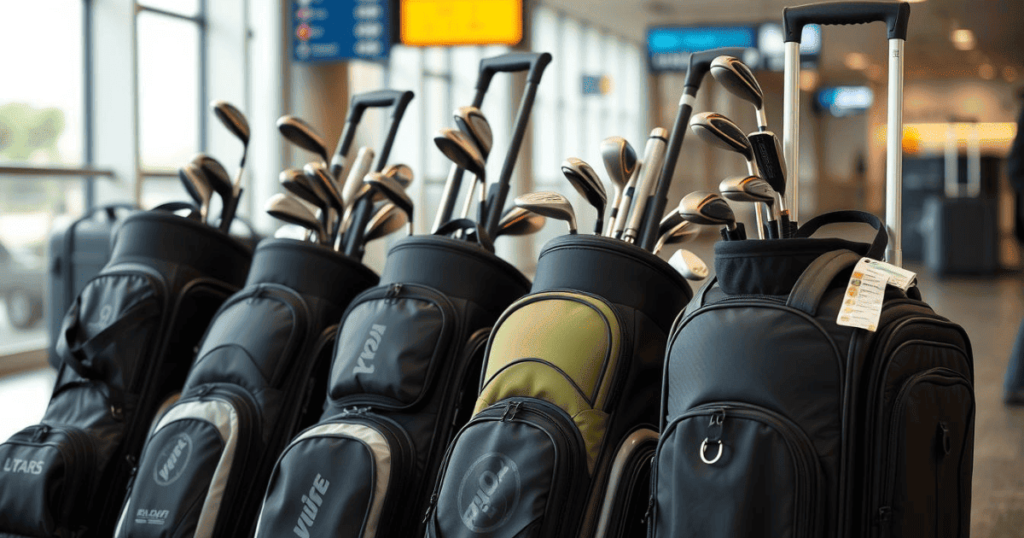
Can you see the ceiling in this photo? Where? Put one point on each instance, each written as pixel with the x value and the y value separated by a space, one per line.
pixel 929 52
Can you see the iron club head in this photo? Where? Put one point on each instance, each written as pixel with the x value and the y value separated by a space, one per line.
pixel 520 221
pixel 549 204
pixel 303 135
pixel 461 150
pixel 720 132
pixel 472 121
pixel 584 179
pixel 285 208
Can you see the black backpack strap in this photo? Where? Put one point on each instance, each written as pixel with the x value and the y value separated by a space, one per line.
pixel 815 280
pixel 877 250
pixel 468 225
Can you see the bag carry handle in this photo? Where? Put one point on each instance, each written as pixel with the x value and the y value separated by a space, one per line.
pixel 479 233
pixel 895 15
pixel 815 280
pixel 878 244
pixel 513 62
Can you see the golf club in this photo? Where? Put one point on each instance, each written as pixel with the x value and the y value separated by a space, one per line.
pixel 459 148
pixel 689 265
pixel 654 155
pixel 319 174
pixel 386 220
pixel 549 204
pixel 321 199
pixel 671 220
pixel 584 179
pixel 520 221
pixel 471 121
pixel 754 190
pixel 285 208
pixel 217 177
pixel 198 187
pixel 683 232
pixel 303 135
pixel 720 132
pixel 236 122
pixel 710 209
pixel 622 213
pixel 400 173
pixel 619 161
pixel 360 167
pixel 394 192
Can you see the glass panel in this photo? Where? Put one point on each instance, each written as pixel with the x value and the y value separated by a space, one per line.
pixel 31 208
pixel 23 399
pixel 182 7
pixel 435 99
pixel 42 97
pixel 169 106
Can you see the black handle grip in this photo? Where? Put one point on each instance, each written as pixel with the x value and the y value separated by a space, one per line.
pixel 700 63
pixel 378 99
pixel 513 62
pixel 895 15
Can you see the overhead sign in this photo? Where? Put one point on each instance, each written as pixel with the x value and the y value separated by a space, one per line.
pixel 430 23
pixel 669 48
pixel 842 101
pixel 338 30
pixel 595 85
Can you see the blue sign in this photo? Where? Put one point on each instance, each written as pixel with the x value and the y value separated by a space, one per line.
pixel 669 48
pixel 842 101
pixel 338 30
pixel 595 85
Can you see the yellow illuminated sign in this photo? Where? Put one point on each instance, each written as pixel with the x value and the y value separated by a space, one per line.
pixel 426 23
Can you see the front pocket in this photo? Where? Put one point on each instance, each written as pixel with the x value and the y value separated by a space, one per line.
pixel 184 478
pixel 391 345
pixel 45 471
pixel 733 470
pixel 927 442
pixel 626 496
pixel 517 469
pixel 344 478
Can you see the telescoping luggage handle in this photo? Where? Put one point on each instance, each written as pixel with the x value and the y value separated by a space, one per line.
pixel 896 16
pixel 514 62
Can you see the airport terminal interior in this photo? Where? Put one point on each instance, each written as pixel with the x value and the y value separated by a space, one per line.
pixel 105 103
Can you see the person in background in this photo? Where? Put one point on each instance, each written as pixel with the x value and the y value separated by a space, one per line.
pixel 1013 385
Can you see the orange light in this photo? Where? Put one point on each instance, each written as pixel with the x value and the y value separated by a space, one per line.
pixel 856 61
pixel 933 137
pixel 986 71
pixel 963 39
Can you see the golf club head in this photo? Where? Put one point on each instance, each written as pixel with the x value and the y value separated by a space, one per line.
pixel 689 265
pixel 461 150
pixel 747 189
pixel 471 120
pixel 219 179
pixel 386 220
pixel 683 232
pixel 296 182
pixel 520 221
pixel 670 221
pixel 322 178
pixel 736 77
pixel 720 132
pixel 708 208
pixel 393 191
pixel 197 186
pixel 619 160
pixel 233 120
pixel 285 208
pixel 584 179
pixel 400 173
pixel 549 204
pixel 303 135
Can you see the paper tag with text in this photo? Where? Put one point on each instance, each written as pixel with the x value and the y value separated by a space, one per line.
pixel 899 277
pixel 862 302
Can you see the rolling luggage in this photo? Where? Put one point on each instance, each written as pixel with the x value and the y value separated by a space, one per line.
pixel 567 381
pixel 77 253
pixel 258 378
pixel 125 345
pixel 402 379
pixel 783 413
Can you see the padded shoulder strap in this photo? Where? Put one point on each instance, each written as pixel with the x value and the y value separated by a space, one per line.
pixel 814 281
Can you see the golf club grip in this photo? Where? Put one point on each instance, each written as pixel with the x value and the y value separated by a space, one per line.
pixel 700 63
pixel 513 62
pixel 652 216
pixel 895 15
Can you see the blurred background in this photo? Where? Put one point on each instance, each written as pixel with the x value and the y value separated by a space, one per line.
pixel 102 101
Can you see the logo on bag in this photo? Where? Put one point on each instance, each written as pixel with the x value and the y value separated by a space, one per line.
pixel 311 506
pixel 106 313
pixel 369 351
pixel 151 517
pixel 489 493
pixel 15 465
pixel 172 460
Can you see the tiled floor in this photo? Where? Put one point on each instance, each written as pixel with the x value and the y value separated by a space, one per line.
pixel 990 310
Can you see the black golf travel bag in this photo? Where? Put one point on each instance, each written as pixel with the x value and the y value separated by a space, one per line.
pixel 565 416
pixel 260 370
pixel 403 379
pixel 125 345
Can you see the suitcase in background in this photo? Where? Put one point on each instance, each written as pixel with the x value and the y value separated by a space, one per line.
pixel 961 233
pixel 76 254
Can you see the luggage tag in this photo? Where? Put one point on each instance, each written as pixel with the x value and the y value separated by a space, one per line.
pixel 866 291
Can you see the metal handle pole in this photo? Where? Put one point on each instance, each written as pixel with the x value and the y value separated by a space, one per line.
pixel 894 156
pixel 791 127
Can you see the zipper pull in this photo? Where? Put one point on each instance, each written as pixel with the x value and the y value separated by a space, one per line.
pixel 510 411
pixel 393 291
pixel 430 508
pixel 715 427
pixel 40 432
pixel 204 390
pixel 514 410
pixel 650 510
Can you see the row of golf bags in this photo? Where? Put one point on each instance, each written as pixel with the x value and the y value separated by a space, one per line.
pixel 776 421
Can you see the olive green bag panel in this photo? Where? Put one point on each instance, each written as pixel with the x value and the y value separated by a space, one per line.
pixel 560 347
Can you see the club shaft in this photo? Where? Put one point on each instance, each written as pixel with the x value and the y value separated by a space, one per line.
pixel 654 155
pixel 791 126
